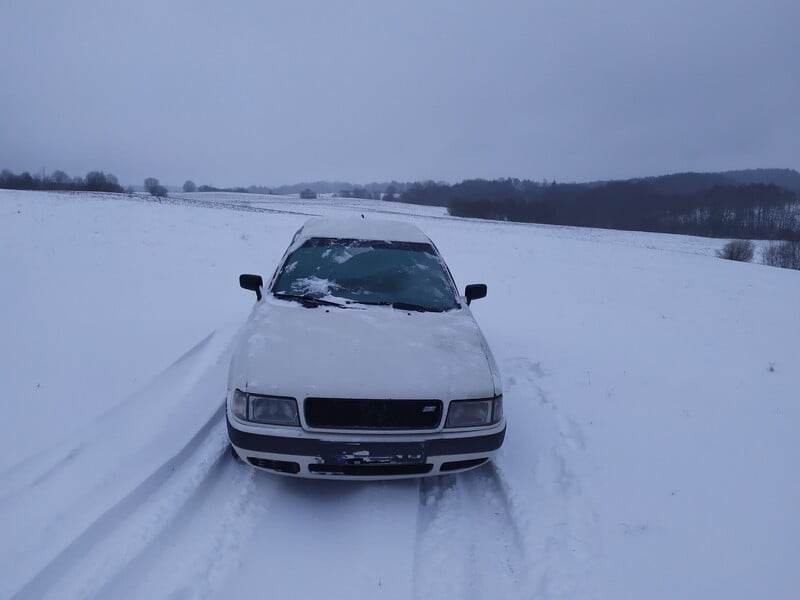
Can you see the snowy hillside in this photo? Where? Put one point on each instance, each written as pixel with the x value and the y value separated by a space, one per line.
pixel 652 393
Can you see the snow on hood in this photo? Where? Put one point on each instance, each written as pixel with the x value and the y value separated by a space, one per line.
pixel 369 352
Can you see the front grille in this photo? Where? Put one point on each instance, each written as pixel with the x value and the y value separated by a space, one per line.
pixel 371 470
pixel 350 413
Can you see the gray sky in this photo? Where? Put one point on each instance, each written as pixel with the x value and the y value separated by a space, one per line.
pixel 239 93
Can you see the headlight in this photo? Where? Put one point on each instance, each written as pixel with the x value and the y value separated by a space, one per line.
pixel 474 413
pixel 271 410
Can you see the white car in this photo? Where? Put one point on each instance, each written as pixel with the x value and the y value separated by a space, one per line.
pixel 361 360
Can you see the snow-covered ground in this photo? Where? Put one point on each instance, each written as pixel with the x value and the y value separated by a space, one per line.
pixel 652 392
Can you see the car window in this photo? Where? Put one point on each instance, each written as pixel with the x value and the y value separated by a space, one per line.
pixel 368 271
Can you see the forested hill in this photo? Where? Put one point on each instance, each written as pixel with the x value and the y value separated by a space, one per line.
pixel 693 182
pixel 787 178
pixel 760 203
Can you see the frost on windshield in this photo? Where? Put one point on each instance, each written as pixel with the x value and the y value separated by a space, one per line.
pixel 368 272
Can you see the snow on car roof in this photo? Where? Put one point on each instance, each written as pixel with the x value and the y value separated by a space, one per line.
pixel 362 229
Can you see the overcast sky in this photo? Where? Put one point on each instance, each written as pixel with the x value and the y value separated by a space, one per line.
pixel 258 92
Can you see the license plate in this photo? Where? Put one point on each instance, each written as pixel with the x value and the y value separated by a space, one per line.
pixel 356 453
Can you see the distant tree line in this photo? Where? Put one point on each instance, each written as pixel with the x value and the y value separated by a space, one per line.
pixel 681 183
pixel 755 210
pixel 745 204
pixel 333 187
pixel 386 191
pixel 211 188
pixel 358 192
pixel 95 181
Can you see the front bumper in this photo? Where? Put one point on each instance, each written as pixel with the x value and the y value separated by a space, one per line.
pixel 359 456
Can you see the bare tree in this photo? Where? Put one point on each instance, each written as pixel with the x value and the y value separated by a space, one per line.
pixel 152 185
pixel 783 254
pixel 189 186
pixel 60 179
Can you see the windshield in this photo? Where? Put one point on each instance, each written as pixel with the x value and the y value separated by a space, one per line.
pixel 368 272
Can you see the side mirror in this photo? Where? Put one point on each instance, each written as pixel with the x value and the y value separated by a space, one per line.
pixel 475 291
pixel 254 283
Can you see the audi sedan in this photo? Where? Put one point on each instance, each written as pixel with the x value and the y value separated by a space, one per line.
pixel 361 360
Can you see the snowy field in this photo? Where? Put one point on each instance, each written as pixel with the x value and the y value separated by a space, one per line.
pixel 652 393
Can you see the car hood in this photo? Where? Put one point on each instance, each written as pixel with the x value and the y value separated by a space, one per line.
pixel 369 352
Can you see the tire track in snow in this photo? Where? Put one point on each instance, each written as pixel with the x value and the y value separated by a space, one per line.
pixel 327 539
pixel 489 483
pixel 119 533
pixel 193 553
pixel 443 558
pixel 469 543
pixel 115 454
pixel 34 471
pixel 544 493
pixel 37 468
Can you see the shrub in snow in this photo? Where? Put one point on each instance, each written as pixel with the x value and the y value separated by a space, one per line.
pixel 741 250
pixel 784 254
pixel 152 185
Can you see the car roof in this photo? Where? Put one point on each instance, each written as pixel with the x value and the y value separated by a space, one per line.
pixel 360 228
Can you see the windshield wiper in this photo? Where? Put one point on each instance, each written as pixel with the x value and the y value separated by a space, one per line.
pixel 307 300
pixel 398 305
pixel 412 306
